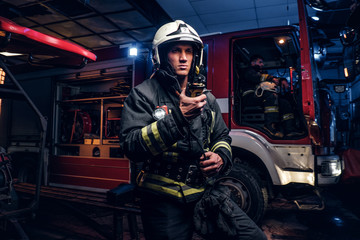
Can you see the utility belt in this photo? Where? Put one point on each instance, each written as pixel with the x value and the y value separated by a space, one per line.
pixel 188 174
pixel 170 188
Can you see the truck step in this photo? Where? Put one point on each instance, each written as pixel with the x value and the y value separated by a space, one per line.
pixel 314 202
pixel 303 205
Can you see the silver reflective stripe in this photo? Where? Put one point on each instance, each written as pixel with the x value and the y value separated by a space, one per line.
pixel 271 109
pixel 287 116
pixel 247 92
pixel 223 104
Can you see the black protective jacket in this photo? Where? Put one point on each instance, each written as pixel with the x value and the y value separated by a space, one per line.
pixel 253 76
pixel 170 147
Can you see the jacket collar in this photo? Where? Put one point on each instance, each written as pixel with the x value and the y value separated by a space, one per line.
pixel 168 81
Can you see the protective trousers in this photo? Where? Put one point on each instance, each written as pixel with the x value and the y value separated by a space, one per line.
pixel 274 107
pixel 166 219
pixel 269 101
pixel 217 216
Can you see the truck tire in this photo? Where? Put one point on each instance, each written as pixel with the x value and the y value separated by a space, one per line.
pixel 247 191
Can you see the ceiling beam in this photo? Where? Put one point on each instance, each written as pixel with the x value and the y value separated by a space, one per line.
pixel 152 11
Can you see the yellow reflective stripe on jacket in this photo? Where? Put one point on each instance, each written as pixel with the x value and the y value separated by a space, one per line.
pixel 263 77
pixel 153 131
pixel 211 130
pixel 171 154
pixel 157 136
pixel 191 190
pixel 271 109
pixel 221 144
pixel 158 188
pixel 170 181
pixel 168 186
pixel 161 179
pixel 212 121
pixel 147 140
pixel 172 147
pixel 174 156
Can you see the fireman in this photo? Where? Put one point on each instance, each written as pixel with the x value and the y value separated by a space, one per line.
pixel 181 140
pixel 260 88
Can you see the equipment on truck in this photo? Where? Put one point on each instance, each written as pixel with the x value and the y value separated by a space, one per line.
pixel 18 39
pixel 8 196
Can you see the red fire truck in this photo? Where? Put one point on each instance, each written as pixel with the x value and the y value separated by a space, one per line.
pixel 273 165
pixel 86 107
pixel 350 38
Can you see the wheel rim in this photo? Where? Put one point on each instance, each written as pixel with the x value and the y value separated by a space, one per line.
pixel 238 193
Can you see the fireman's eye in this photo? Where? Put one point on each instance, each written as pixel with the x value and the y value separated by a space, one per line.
pixel 175 50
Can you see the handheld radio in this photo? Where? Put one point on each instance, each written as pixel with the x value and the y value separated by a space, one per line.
pixel 197 84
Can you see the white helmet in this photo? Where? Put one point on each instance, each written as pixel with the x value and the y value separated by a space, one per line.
pixel 177 31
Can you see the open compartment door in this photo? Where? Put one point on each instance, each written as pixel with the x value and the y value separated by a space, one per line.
pixel 40 49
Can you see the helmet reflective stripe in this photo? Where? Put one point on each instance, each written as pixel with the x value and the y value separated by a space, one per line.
pixel 177 31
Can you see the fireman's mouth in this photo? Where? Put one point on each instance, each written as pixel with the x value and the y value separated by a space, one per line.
pixel 183 67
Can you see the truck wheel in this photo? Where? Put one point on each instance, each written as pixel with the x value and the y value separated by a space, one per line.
pixel 247 192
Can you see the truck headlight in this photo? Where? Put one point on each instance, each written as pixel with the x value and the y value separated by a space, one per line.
pixel 330 168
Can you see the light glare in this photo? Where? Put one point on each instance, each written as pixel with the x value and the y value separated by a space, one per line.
pixel 133 51
pixel 8 54
pixel 315 18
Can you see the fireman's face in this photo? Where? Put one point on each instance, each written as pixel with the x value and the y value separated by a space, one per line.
pixel 258 62
pixel 180 58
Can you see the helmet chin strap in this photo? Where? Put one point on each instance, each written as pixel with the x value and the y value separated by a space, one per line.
pixel 257 67
pixel 169 69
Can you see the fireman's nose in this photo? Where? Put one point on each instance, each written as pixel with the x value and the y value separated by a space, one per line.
pixel 183 56
pixel 261 64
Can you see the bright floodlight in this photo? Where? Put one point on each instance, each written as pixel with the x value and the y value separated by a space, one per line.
pixel 133 51
pixel 315 18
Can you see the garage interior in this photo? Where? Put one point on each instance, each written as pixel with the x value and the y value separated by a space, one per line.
pixel 97 25
pixel 108 29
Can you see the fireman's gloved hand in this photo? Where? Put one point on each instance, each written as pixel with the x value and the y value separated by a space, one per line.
pixel 276 80
pixel 191 107
pixel 284 84
pixel 210 163
pixel 281 82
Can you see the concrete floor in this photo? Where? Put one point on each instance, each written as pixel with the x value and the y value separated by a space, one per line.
pixel 340 220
